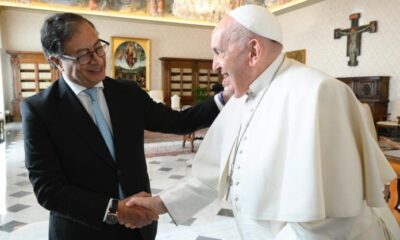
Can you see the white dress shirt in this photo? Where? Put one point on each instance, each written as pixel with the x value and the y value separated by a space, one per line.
pixel 86 101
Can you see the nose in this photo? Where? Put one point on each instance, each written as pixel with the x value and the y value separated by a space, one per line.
pixel 96 58
pixel 216 66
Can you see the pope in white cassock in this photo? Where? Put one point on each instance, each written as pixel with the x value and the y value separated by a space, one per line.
pixel 291 151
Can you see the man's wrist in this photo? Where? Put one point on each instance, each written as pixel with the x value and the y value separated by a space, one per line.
pixel 108 206
pixel 110 216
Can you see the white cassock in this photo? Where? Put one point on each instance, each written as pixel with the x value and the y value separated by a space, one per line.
pixel 305 165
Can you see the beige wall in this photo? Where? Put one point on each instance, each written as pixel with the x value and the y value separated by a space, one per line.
pixel 309 28
pixel 21 29
pixel 312 29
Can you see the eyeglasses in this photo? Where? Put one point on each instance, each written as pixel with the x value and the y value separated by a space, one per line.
pixel 87 57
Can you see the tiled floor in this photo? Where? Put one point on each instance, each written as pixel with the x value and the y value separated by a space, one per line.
pixel 21 218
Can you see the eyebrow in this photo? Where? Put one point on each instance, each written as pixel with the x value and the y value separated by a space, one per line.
pixel 217 50
pixel 87 49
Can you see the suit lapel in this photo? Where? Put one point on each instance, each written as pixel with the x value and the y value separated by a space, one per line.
pixel 77 118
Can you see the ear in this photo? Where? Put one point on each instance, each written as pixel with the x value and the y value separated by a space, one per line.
pixel 254 47
pixel 56 62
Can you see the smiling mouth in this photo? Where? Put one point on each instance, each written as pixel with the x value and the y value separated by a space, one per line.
pixel 95 69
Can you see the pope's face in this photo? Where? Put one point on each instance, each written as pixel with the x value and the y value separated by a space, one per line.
pixel 230 60
pixel 83 41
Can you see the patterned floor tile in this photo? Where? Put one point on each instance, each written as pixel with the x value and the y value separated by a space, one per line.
pixel 20 194
pixel 206 238
pixel 225 212
pixel 23 183
pixel 155 162
pixel 189 222
pixel 17 207
pixel 176 176
pixel 182 160
pixel 165 169
pixel 11 226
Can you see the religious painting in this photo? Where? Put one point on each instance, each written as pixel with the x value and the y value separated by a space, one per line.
pixel 198 12
pixel 131 60
pixel 298 55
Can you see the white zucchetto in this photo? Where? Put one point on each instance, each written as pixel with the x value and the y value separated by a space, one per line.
pixel 259 20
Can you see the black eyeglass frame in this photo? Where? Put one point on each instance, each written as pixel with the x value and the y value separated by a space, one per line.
pixel 104 46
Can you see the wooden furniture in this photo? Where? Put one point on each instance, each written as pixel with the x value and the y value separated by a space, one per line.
pixel 31 74
pixel 393 157
pixel 190 138
pixel 373 90
pixel 391 126
pixel 182 76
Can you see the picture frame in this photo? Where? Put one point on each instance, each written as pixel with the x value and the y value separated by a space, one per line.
pixel 299 55
pixel 131 60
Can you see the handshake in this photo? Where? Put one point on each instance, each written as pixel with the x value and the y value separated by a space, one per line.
pixel 139 210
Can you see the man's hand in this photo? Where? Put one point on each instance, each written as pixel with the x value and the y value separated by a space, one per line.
pixel 154 203
pixel 135 216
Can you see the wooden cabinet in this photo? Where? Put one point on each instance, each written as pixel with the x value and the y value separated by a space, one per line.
pixel 31 74
pixel 373 90
pixel 183 76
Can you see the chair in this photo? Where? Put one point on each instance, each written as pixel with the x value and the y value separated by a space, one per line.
pixel 189 137
pixel 391 126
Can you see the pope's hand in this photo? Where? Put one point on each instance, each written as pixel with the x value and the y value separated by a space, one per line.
pixel 153 203
pixel 135 216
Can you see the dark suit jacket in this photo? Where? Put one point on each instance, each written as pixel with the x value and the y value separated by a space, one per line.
pixel 71 170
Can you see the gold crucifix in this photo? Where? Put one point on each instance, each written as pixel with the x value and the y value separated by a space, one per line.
pixel 354 36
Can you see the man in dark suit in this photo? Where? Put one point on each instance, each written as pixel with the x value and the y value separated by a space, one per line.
pixel 84 138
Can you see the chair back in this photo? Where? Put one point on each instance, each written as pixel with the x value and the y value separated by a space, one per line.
pixel 394 110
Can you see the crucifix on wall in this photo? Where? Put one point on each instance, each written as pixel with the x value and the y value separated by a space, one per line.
pixel 354 36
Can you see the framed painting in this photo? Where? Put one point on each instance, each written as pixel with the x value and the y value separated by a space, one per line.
pixel 299 55
pixel 131 60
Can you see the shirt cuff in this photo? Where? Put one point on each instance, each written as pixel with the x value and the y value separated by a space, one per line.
pixel 108 207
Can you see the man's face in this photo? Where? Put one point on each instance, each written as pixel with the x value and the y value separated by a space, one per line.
pixel 230 59
pixel 83 41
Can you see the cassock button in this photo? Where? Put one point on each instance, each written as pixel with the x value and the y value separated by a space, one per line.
pixel 240 152
pixel 238 167
pixel 236 199
pixel 236 183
